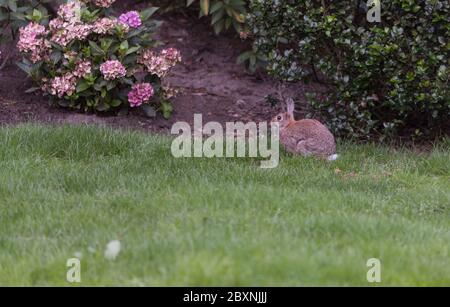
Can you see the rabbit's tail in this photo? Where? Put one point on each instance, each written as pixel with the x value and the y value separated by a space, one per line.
pixel 333 157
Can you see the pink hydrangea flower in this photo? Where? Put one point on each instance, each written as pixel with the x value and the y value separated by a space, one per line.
pixel 32 41
pixel 171 55
pixel 112 70
pixel 70 12
pixel 104 3
pixel 64 85
pixel 68 27
pixel 104 25
pixel 64 33
pixel 82 69
pixel 139 94
pixel 160 64
pixel 56 24
pixel 131 19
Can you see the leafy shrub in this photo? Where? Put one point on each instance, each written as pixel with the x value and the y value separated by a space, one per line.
pixel 386 78
pixel 90 60
pixel 224 13
pixel 17 13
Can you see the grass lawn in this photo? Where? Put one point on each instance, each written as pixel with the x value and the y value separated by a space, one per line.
pixel 204 222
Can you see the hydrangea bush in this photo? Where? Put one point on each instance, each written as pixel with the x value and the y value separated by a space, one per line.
pixel 388 78
pixel 86 58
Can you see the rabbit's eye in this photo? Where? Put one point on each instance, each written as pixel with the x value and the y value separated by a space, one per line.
pixel 279 117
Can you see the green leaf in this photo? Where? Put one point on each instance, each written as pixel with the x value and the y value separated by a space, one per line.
pixel 133 50
pixel 32 90
pixel 95 49
pixel 146 14
pixel 12 4
pixel 111 85
pixel 127 81
pixel 26 68
pixel 244 57
pixel 166 109
pixel 115 103
pixel 124 45
pixel 82 86
pixel 216 6
pixel 105 44
pixel 56 56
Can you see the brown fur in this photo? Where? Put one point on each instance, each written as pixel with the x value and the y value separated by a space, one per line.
pixel 307 137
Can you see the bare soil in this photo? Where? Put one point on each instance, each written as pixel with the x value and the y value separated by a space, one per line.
pixel 211 83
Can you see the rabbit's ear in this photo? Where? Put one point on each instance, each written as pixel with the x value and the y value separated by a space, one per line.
pixel 290 106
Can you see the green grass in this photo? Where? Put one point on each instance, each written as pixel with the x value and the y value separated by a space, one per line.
pixel 203 222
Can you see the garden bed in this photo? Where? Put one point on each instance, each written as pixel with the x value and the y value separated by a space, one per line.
pixel 211 83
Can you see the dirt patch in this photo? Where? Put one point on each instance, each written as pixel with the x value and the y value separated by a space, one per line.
pixel 211 81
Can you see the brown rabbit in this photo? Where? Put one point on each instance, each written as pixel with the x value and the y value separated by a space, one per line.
pixel 306 137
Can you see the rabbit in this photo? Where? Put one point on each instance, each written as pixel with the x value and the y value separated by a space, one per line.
pixel 306 137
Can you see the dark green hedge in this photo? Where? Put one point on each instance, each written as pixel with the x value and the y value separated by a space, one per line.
pixel 387 78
